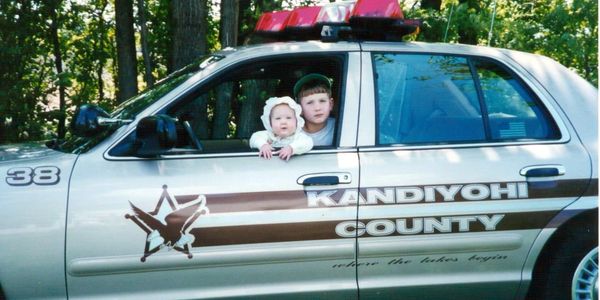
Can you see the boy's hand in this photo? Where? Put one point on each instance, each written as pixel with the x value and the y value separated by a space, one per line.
pixel 286 152
pixel 266 151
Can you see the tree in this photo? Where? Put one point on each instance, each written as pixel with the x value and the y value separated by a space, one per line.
pixel 127 63
pixel 54 7
pixel 25 70
pixel 144 40
pixel 228 32
pixel 189 28
pixel 87 37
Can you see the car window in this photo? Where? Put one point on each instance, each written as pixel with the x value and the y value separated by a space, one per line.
pixel 438 99
pixel 221 115
pixel 513 112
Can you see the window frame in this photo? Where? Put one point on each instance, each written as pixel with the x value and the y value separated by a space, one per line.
pixel 207 82
pixel 548 111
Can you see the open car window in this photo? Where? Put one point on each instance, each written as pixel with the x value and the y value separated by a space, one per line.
pixel 219 117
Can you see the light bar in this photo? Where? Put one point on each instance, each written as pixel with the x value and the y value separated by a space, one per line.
pixel 346 20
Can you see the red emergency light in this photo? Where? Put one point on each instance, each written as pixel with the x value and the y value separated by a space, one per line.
pixel 303 17
pixel 380 20
pixel 301 23
pixel 351 20
pixel 272 22
pixel 335 13
pixel 377 9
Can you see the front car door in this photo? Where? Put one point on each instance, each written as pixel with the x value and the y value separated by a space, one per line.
pixel 463 163
pixel 220 221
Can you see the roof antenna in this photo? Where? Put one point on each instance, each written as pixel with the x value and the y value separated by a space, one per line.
pixel 491 33
pixel 449 20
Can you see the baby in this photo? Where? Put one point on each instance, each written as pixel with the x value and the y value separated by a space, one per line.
pixel 283 124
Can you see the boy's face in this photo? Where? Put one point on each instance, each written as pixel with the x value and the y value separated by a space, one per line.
pixel 283 120
pixel 316 108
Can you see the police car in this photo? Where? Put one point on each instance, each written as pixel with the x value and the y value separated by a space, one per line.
pixel 456 172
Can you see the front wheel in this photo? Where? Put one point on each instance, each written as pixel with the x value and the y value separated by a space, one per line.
pixel 585 278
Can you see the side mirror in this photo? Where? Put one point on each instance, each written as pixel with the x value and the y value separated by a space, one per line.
pixel 85 121
pixel 89 119
pixel 155 135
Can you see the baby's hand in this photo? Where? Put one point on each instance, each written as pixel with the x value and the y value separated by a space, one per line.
pixel 286 152
pixel 266 151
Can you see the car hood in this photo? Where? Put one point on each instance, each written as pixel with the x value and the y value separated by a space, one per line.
pixel 14 152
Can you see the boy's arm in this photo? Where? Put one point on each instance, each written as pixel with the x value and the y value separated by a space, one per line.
pixel 302 143
pixel 258 139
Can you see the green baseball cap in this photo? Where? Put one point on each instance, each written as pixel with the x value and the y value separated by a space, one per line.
pixel 310 78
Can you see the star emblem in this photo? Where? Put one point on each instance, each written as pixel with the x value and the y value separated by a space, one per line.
pixel 169 224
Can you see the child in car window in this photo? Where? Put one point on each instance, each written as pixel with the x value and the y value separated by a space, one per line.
pixel 313 92
pixel 283 135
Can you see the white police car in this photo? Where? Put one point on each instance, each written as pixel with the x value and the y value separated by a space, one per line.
pixel 456 172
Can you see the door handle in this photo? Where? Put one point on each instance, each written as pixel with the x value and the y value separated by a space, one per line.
pixel 325 179
pixel 543 171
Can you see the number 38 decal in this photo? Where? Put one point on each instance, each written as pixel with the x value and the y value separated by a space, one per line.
pixel 46 175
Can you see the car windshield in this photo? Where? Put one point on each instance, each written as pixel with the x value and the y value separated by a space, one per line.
pixel 133 106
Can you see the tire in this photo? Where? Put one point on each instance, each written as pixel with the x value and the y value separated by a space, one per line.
pixel 569 266
pixel 585 278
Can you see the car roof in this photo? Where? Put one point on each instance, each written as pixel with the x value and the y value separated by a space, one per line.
pixel 573 94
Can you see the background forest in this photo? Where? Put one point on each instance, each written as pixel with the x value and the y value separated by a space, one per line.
pixel 58 54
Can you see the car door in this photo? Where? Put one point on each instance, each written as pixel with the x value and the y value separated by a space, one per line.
pixel 463 162
pixel 220 222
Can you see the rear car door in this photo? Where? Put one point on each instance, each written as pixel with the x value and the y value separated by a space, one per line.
pixel 463 162
pixel 244 226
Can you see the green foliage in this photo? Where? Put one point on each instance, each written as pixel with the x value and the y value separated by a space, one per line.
pixel 24 70
pixel 89 49
pixel 566 30
pixel 157 15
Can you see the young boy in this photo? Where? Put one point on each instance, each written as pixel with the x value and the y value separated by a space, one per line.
pixel 283 124
pixel 313 92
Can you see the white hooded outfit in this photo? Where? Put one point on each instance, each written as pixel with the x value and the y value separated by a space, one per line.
pixel 299 141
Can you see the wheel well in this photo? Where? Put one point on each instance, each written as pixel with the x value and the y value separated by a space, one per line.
pixel 584 223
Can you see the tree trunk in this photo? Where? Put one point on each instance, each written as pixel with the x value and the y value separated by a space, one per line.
pixel 228 30
pixel 249 113
pixel 189 23
pixel 100 47
pixel 54 7
pixel 244 18
pixel 222 111
pixel 144 39
pixel 126 61
pixel 199 121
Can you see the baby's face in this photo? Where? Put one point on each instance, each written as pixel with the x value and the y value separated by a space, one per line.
pixel 283 121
